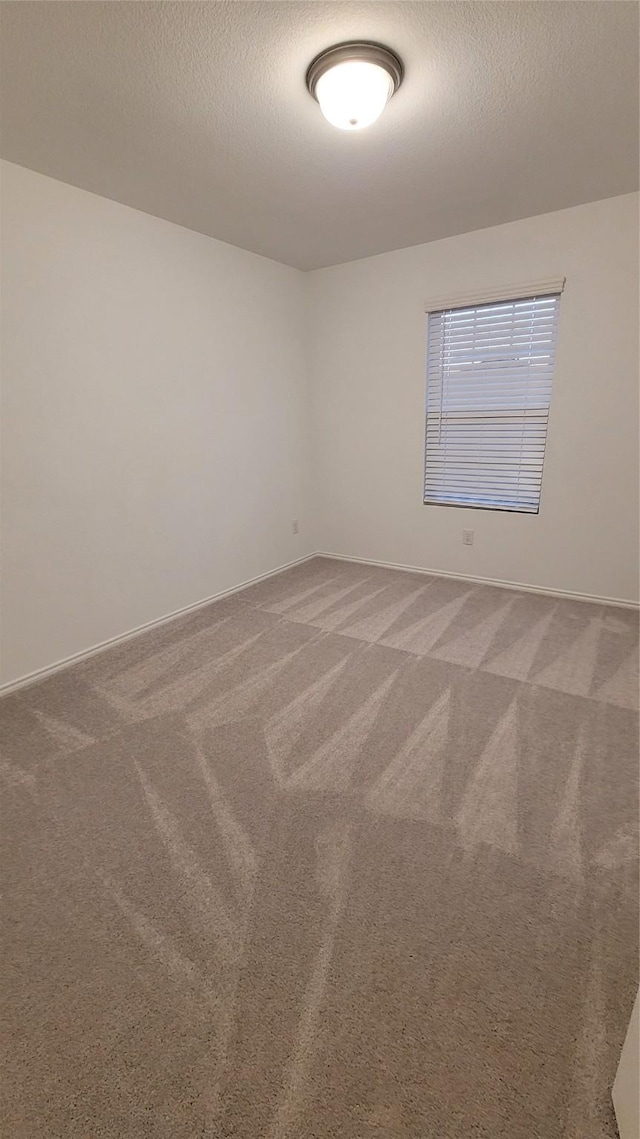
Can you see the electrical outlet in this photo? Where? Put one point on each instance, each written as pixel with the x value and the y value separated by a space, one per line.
pixel 294 526
pixel 467 537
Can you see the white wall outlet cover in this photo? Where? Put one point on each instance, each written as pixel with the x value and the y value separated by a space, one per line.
pixel 467 537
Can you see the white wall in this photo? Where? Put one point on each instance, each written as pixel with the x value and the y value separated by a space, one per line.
pixel 368 332
pixel 155 414
pixel 626 1088
pixel 156 403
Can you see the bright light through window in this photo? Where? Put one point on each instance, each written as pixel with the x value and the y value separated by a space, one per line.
pixel 489 376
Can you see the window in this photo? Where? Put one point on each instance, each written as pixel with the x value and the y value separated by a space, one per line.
pixel 489 375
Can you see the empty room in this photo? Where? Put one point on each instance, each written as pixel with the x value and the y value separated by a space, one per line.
pixel 319 578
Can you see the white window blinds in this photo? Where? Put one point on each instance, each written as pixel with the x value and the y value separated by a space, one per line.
pixel 489 375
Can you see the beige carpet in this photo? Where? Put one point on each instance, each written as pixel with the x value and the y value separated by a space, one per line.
pixel 352 854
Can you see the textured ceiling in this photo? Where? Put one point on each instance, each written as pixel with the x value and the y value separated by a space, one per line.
pixel 198 112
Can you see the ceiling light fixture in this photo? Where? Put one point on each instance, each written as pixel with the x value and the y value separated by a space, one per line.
pixel 353 82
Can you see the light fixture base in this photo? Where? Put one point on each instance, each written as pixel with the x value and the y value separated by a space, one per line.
pixel 361 50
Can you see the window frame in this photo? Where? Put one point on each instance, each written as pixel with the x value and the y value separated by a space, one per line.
pixel 512 294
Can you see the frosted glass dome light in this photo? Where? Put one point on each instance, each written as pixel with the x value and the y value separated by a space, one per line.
pixel 353 83
pixel 353 95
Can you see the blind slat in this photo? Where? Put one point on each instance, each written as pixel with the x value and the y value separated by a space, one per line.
pixel 489 375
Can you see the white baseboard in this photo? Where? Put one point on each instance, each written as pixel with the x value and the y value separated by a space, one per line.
pixel 521 586
pixel 40 673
